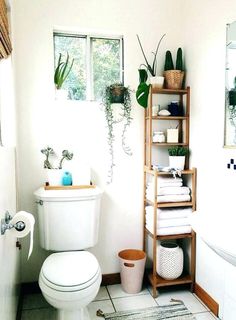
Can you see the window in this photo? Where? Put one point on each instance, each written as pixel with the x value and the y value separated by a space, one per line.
pixel 98 62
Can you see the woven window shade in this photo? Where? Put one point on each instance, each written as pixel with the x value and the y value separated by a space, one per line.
pixel 5 42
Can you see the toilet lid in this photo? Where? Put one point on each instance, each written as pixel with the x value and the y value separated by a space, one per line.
pixel 69 269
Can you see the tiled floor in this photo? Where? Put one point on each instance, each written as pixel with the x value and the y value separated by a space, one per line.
pixel 113 298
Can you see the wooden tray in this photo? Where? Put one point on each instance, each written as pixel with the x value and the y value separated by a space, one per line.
pixel 69 187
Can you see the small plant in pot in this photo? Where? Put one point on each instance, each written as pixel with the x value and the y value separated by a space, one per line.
pixel 62 71
pixel 174 75
pixel 177 156
pixel 117 94
pixel 157 81
pixel 54 174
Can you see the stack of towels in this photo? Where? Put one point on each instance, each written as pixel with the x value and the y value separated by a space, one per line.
pixel 169 221
pixel 168 190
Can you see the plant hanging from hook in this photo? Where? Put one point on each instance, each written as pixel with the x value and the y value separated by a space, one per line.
pixel 117 93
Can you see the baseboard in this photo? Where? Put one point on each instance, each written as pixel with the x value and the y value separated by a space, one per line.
pixel 109 279
pixel 207 299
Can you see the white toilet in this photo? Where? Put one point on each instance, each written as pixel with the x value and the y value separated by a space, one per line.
pixel 69 222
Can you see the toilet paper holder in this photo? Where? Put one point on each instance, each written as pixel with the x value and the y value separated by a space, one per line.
pixel 7 225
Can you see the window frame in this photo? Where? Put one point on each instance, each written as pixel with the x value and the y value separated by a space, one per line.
pixel 89 66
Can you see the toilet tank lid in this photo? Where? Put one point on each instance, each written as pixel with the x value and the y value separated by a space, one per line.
pixel 69 269
pixel 70 194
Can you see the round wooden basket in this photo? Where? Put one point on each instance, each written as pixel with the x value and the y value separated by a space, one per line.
pixel 174 79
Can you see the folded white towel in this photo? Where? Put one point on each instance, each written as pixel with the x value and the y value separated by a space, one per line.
pixel 164 223
pixel 165 184
pixel 169 198
pixel 169 190
pixel 171 230
pixel 168 213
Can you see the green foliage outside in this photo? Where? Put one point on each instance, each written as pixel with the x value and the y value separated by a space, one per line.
pixel 105 64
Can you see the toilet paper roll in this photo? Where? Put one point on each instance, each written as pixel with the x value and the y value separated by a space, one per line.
pixel 28 219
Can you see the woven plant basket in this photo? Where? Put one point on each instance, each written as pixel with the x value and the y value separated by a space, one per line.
pixel 174 79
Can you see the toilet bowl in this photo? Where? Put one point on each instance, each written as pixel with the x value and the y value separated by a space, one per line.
pixel 69 281
pixel 68 225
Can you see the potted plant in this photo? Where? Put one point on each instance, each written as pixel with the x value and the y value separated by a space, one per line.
pixel 61 73
pixel 54 174
pixel 152 68
pixel 177 156
pixel 174 76
pixel 114 94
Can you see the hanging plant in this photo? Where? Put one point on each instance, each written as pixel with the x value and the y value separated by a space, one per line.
pixel 117 93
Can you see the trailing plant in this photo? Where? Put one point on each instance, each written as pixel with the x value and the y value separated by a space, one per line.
pixel 110 93
pixel 62 71
pixel 178 151
pixel 48 151
pixel 169 65
pixel 153 66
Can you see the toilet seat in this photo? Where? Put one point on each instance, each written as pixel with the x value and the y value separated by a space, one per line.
pixel 70 271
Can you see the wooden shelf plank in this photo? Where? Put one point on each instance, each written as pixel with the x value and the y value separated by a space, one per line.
pixel 160 282
pixel 169 91
pixel 152 171
pixel 168 144
pixel 171 236
pixel 170 204
pixel 167 118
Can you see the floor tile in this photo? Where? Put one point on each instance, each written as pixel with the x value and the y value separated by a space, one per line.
pixel 134 302
pixel 105 305
pixel 205 316
pixel 34 301
pixel 190 301
pixel 102 294
pixel 39 314
pixel 116 291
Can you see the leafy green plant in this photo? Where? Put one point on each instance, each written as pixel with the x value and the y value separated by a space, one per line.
pixel 179 60
pixel 117 93
pixel 169 65
pixel 178 151
pixel 62 71
pixel 153 66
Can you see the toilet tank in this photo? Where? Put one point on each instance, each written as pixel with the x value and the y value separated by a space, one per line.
pixel 68 219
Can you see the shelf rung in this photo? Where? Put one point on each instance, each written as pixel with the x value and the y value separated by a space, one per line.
pixel 160 282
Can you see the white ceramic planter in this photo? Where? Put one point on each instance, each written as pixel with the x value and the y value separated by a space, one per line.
pixel 61 94
pixel 177 162
pixel 157 81
pixel 54 177
pixel 170 260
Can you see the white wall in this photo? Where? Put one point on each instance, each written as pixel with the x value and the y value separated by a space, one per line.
pixel 205 38
pixel 80 127
pixel 9 254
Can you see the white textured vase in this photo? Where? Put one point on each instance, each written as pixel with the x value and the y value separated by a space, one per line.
pixel 177 162
pixel 170 260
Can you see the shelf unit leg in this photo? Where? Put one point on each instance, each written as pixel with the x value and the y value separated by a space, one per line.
pixel 154 292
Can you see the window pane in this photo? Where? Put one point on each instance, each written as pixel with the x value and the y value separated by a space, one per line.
pixel 105 64
pixel 76 48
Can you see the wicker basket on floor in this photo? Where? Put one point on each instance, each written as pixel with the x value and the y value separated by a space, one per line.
pixel 174 79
